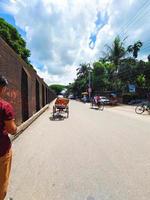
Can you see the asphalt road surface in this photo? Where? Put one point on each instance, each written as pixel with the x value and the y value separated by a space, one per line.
pixel 92 155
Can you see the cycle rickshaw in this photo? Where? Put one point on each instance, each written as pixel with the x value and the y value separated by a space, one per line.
pixel 61 107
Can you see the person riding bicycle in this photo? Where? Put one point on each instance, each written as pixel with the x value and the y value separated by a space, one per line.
pixel 96 99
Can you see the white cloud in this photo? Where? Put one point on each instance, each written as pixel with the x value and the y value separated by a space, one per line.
pixel 58 32
pixel 69 71
pixel 128 19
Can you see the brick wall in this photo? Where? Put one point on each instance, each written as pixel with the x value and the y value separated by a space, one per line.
pixel 27 92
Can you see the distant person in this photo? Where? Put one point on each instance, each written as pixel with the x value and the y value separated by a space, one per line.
pixel 96 99
pixel 7 125
pixel 84 98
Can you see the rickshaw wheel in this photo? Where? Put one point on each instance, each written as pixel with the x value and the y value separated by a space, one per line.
pixel 54 111
pixel 67 111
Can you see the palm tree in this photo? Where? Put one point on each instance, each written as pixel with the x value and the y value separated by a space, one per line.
pixel 103 59
pixel 116 51
pixel 83 70
pixel 135 48
pixel 84 77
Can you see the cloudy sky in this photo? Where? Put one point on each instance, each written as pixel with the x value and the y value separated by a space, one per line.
pixel 61 34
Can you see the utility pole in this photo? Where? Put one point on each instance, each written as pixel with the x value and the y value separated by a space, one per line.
pixel 89 89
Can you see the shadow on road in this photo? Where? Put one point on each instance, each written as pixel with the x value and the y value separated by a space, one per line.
pixel 94 108
pixel 57 117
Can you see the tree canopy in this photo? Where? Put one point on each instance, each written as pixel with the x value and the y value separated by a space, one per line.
pixel 116 71
pixel 57 88
pixel 14 39
pixel 135 48
pixel 116 51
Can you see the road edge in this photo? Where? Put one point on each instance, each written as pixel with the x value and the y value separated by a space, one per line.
pixel 27 123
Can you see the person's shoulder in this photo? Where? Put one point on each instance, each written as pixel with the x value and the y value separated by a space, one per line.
pixel 5 104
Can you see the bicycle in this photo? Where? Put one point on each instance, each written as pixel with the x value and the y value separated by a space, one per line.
pixel 142 108
pixel 98 104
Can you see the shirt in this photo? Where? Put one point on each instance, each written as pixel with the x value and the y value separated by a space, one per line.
pixel 6 113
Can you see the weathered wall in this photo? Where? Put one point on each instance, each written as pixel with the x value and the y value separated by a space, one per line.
pixel 27 92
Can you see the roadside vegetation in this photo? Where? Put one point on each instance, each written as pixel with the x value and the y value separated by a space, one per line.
pixel 14 40
pixel 115 71
pixel 57 88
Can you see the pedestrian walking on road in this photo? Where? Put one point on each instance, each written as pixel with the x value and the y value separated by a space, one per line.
pixel 7 126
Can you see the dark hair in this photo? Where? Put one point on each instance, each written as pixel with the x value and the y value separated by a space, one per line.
pixel 3 81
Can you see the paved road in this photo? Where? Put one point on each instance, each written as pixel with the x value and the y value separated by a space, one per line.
pixel 93 155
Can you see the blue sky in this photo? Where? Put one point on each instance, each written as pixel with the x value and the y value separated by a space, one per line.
pixel 63 34
pixel 101 20
pixel 10 19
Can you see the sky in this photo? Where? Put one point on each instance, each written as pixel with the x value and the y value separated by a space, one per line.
pixel 62 34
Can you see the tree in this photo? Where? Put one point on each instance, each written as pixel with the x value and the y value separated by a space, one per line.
pixel 135 48
pixel 116 51
pixel 99 77
pixel 148 57
pixel 115 54
pixel 127 70
pixel 141 80
pixel 57 88
pixel 82 71
pixel 115 71
pixel 82 78
pixel 14 39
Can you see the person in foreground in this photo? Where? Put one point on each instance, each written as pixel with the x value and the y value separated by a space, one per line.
pixel 7 126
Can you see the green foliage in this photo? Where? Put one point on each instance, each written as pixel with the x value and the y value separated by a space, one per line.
pixel 141 80
pixel 82 71
pixel 57 88
pixel 79 86
pixel 116 51
pixel 81 83
pixel 115 72
pixel 14 39
pixel 135 48
pixel 99 77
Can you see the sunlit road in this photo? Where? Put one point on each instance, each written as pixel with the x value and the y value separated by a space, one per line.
pixel 92 155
